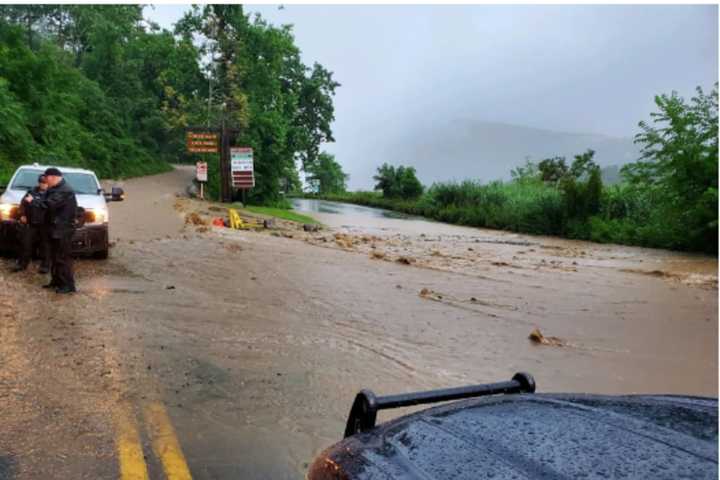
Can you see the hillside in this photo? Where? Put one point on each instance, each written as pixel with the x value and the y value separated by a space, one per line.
pixel 464 149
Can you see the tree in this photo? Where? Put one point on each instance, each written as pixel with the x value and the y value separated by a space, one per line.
pixel 400 182
pixel 593 192
pixel 327 175
pixel 525 173
pixel 552 169
pixel 315 113
pixel 386 182
pixel 581 185
pixel 408 183
pixel 680 160
pixel 283 108
pixel 99 86
pixel 583 164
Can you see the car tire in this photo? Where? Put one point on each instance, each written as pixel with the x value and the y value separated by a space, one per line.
pixel 101 255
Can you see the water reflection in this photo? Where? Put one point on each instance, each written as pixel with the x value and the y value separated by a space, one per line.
pixel 324 206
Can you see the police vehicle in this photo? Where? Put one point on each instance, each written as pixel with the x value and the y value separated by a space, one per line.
pixel 91 237
pixel 505 430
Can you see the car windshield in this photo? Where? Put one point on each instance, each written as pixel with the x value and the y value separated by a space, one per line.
pixel 84 183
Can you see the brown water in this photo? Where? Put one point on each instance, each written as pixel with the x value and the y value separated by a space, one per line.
pixel 258 341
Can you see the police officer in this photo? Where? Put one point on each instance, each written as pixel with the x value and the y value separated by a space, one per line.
pixel 33 230
pixel 60 205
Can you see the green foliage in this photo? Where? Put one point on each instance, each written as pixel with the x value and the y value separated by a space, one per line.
pixel 582 189
pixel 680 160
pixel 525 173
pixel 283 108
pixel 326 176
pixel 552 169
pixel 54 112
pixel 400 182
pixel 100 87
pixel 669 201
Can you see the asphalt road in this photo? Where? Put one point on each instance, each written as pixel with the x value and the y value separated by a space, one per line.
pixel 199 352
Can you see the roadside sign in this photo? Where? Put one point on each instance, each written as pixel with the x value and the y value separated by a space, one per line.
pixel 201 171
pixel 202 142
pixel 242 167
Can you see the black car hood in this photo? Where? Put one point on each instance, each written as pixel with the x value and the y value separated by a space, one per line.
pixel 537 436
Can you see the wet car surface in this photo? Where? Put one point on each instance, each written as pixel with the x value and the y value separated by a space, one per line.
pixel 536 436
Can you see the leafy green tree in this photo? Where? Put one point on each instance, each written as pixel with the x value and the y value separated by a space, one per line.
pixel 326 175
pixel 593 192
pixel 315 113
pixel 408 183
pixel 680 160
pixel 283 108
pixel 400 182
pixel 583 164
pixel 552 169
pixel 56 112
pixel 525 173
pixel 386 180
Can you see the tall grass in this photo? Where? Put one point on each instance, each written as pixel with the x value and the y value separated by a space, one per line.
pixel 627 215
pixel 529 208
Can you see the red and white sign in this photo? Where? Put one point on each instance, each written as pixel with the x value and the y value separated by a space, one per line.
pixel 201 171
pixel 242 167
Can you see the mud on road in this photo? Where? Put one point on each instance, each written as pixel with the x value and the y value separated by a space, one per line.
pixel 255 342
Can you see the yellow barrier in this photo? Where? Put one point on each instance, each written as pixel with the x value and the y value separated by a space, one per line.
pixel 235 220
pixel 238 223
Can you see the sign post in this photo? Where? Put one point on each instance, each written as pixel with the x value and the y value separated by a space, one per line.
pixel 217 140
pixel 242 168
pixel 201 174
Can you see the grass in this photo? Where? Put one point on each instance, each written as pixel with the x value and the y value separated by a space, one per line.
pixel 627 215
pixel 282 213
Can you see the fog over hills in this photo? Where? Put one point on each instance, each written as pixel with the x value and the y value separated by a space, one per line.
pixel 463 149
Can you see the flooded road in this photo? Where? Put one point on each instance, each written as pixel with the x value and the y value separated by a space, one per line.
pixel 255 343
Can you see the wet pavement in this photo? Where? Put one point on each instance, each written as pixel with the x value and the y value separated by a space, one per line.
pixel 254 343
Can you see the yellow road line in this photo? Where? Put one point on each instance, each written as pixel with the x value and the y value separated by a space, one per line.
pixel 130 452
pixel 165 442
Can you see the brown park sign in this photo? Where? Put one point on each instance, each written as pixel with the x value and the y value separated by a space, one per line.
pixel 202 142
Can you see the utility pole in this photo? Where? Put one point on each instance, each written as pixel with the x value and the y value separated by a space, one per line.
pixel 209 98
pixel 225 189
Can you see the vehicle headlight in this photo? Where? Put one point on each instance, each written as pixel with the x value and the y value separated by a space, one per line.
pixel 8 210
pixel 96 215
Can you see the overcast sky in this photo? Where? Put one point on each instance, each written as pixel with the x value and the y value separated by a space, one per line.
pixel 591 69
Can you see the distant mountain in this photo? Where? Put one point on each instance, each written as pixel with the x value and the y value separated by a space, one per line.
pixel 486 151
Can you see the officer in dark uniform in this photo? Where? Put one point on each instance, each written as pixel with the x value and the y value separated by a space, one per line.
pixel 60 205
pixel 32 230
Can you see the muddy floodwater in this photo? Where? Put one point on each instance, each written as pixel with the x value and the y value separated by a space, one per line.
pixel 257 341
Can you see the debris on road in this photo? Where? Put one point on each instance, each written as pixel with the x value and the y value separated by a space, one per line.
pixel 344 240
pixel 405 260
pixel 374 254
pixel 193 218
pixel 537 336
pixel 430 294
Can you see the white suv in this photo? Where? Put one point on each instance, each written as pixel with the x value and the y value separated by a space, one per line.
pixel 91 236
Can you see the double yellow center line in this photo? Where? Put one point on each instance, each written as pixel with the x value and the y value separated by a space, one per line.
pixel 164 442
